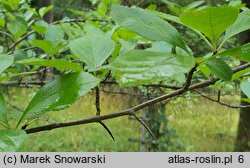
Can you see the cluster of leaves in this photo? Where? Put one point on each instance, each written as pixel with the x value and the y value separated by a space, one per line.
pixel 85 53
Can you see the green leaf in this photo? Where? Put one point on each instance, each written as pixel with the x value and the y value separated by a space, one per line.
pixel 205 70
pixel 193 5
pixel 241 52
pixel 161 47
pixel 59 64
pixel 44 10
pixel 3 112
pixel 45 45
pixel 102 9
pixel 92 30
pixel 168 17
pixel 92 50
pixel 6 61
pixel 2 21
pixel 59 94
pixel 245 87
pixel 220 69
pixel 126 34
pixel 76 12
pixel 127 45
pixel 40 27
pixel 72 31
pixel 17 27
pixel 246 100
pixel 12 140
pixel 146 67
pixel 241 24
pixel 239 74
pixel 11 4
pixel 54 34
pixel 211 21
pixel 20 55
pixel 170 3
pixel 146 24
pixel 152 7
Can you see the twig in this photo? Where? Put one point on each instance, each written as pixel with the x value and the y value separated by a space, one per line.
pixel 163 86
pixel 148 85
pixel 15 107
pixel 78 21
pixel 64 9
pixel 28 48
pixel 123 93
pixel 7 34
pixel 13 46
pixel 25 83
pixel 107 76
pixel 221 103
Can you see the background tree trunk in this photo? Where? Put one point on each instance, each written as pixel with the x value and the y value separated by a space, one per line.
pixel 49 16
pixel 243 137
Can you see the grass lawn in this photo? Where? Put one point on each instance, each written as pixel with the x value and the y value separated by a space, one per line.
pixel 200 125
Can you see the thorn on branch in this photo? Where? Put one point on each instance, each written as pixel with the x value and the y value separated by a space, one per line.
pixel 144 125
pixel 218 96
pixel 108 130
pixel 189 77
pixel 98 111
pixel 97 101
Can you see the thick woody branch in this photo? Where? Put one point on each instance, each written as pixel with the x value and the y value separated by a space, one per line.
pixel 78 122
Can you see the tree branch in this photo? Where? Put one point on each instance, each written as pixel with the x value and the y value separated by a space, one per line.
pixel 13 46
pixel 134 109
pixel 78 122
pixel 23 83
pixel 64 9
pixel 7 34
pixel 221 103
pixel 163 86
